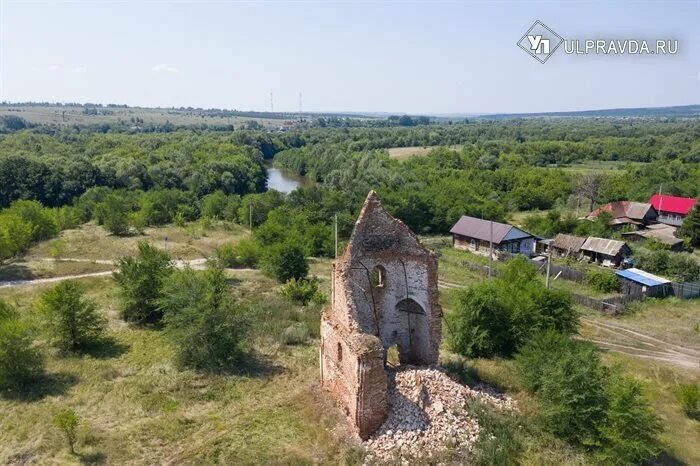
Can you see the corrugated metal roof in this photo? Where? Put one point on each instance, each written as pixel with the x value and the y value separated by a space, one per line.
pixel 623 209
pixel 663 234
pixel 481 229
pixel 642 277
pixel 673 204
pixel 569 243
pixel 609 247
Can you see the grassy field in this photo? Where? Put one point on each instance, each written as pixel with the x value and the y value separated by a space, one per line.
pixel 76 251
pixel 403 153
pixel 75 116
pixel 140 409
pixel 604 167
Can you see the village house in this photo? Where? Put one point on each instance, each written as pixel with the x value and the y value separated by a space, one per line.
pixel 627 213
pixel 672 210
pixel 477 235
pixel 566 245
pixel 606 252
pixel 664 234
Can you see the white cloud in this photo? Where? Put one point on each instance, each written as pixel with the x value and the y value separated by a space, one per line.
pixel 79 69
pixel 164 68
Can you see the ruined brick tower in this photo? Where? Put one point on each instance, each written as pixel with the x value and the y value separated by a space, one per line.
pixel 384 293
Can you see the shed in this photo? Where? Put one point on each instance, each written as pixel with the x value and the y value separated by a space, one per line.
pixel 664 234
pixel 607 252
pixel 567 245
pixel 637 281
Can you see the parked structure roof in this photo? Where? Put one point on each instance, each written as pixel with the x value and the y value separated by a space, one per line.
pixel 609 247
pixel 642 277
pixel 672 204
pixel 482 229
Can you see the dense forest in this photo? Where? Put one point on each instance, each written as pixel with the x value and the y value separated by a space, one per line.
pixel 489 169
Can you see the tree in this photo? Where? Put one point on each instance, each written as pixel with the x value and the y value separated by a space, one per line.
pixel 202 320
pixel 480 323
pixel 589 187
pixel 284 261
pixel 569 382
pixel 140 280
pixel 67 420
pixel 71 320
pixel 691 226
pixel 497 317
pixel 628 435
pixel 20 361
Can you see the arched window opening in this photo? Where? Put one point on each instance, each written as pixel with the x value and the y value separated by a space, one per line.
pixel 378 277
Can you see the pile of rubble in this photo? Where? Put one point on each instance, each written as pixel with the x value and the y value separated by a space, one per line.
pixel 427 413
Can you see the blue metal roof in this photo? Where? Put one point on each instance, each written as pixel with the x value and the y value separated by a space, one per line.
pixel 642 277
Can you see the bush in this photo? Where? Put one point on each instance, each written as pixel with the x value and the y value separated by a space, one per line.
pixel 303 291
pixel 295 334
pixel 201 319
pixel 603 281
pixel 67 420
pixel 20 362
pixel 628 435
pixel 569 382
pixel 479 323
pixel 499 316
pixel 140 281
pixel 689 398
pixel 284 261
pixel 244 253
pixel 113 213
pixel 72 321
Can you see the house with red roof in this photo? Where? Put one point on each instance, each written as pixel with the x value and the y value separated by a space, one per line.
pixel 627 213
pixel 672 210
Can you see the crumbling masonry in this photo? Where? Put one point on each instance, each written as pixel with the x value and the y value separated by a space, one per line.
pixel 384 293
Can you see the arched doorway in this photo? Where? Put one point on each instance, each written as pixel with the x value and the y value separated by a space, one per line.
pixel 413 321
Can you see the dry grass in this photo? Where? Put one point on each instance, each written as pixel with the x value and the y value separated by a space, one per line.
pixel 139 409
pixel 93 242
pixel 403 153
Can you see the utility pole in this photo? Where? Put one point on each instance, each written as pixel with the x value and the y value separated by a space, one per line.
pixel 490 247
pixel 549 264
pixel 336 235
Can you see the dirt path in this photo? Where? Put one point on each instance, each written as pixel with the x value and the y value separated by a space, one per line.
pixel 197 264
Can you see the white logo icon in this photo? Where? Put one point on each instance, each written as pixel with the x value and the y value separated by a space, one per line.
pixel 540 41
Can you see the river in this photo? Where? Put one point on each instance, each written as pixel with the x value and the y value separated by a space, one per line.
pixel 283 180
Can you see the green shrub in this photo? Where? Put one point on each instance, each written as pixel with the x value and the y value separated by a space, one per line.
pixel 303 291
pixel 569 382
pixel 479 323
pixel 20 361
pixel 67 421
pixel 15 235
pixel 460 368
pixel 284 261
pixel 689 398
pixel 628 434
pixel 603 281
pixel 244 253
pixel 202 320
pixel 72 322
pixel 113 213
pixel 498 316
pixel 140 281
pixel 295 334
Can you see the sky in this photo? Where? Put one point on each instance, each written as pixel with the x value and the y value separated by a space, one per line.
pixel 398 57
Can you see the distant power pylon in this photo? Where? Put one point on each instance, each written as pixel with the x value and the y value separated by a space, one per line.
pixel 300 118
pixel 272 104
